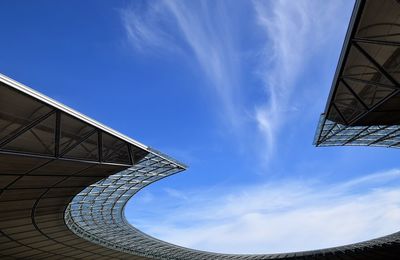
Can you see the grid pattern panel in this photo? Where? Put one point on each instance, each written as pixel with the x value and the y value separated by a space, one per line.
pixel 330 133
pixel 96 214
pixel 50 155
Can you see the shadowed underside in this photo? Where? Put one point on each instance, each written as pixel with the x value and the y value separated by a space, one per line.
pixel 363 107
pixel 64 178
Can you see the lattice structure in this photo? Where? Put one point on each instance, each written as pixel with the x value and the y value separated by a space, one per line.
pixel 330 133
pixel 96 214
pixel 363 106
pixel 366 89
pixel 65 178
pixel 48 154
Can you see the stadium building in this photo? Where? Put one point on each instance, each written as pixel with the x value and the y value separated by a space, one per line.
pixel 65 178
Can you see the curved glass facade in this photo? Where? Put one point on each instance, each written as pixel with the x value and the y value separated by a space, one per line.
pixel 97 214
pixel 65 178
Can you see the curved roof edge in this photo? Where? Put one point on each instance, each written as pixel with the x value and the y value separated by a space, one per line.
pixel 47 100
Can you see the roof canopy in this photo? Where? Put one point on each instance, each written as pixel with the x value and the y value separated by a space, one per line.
pixel 366 88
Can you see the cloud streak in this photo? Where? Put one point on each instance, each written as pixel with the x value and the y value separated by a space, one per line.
pixel 287 215
pixel 276 217
pixel 208 33
pixel 195 29
pixel 143 24
pixel 295 31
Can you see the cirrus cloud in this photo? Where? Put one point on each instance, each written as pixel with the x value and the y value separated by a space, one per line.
pixel 281 216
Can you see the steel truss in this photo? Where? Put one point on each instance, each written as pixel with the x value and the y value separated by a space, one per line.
pixel 364 86
pixel 65 178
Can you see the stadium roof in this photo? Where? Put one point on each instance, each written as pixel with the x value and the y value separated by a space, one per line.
pixel 48 154
pixel 65 178
pixel 363 105
pixel 366 89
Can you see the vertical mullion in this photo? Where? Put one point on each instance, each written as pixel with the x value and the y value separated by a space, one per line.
pixel 57 134
pixel 354 94
pixel 131 159
pixel 100 145
pixel 340 114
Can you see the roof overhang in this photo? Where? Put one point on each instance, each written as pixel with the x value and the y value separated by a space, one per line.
pixel 366 86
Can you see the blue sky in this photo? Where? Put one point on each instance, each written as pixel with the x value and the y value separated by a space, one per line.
pixel 234 89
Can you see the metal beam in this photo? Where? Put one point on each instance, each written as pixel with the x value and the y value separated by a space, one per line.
pixel 351 31
pixel 378 42
pixel 57 134
pixel 84 138
pixel 385 137
pixel 355 94
pixel 373 108
pixel 377 84
pixel 26 128
pixel 375 63
pixel 356 136
pixel 340 113
pixel 100 145
pixel 60 158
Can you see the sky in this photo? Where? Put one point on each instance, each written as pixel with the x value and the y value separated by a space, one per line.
pixel 233 89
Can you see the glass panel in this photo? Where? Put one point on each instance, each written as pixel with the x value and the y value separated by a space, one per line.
pixel 137 153
pixel 17 110
pixel 380 21
pixel 98 209
pixel 72 131
pixel 370 94
pixel 38 140
pixel 359 67
pixel 87 150
pixel 115 150
pixel 348 105
pixel 385 55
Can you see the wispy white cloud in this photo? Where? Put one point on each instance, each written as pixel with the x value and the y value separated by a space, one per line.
pixel 294 32
pixel 202 32
pixel 277 217
pixel 143 24
pixel 207 33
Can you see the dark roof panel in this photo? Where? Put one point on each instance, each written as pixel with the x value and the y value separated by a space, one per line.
pixel 366 88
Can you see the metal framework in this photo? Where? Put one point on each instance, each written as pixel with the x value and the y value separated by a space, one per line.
pixel 48 154
pixel 96 214
pixel 65 178
pixel 362 108
pixel 330 133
